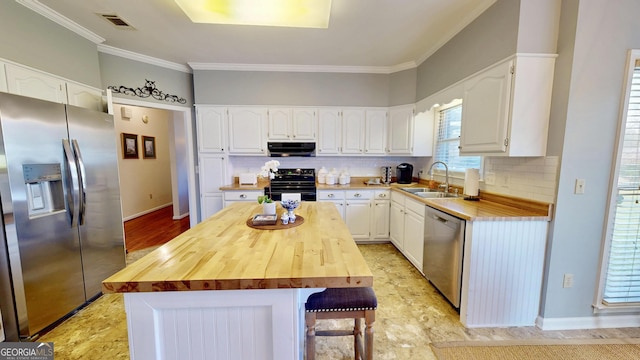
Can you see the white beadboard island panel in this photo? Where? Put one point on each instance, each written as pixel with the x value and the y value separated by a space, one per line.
pixel 503 270
pixel 217 325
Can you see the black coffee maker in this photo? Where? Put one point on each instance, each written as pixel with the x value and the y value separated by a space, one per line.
pixel 404 173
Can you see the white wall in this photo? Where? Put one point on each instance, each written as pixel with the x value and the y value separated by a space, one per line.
pixel 179 168
pixel 145 184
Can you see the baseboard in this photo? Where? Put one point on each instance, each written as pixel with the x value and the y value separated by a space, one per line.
pixel 182 216
pixel 148 211
pixel 588 322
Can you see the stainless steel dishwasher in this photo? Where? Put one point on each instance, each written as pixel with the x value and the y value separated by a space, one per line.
pixel 443 251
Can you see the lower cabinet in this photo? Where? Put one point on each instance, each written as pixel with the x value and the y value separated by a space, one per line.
pixel 406 227
pixel 366 212
pixel 232 196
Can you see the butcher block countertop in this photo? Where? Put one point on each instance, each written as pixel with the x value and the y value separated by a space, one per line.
pixel 223 253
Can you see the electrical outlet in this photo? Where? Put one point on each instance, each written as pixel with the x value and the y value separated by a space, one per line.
pixel 490 178
pixel 567 281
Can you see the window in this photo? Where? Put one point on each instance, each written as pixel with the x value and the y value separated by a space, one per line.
pixel 448 140
pixel 620 279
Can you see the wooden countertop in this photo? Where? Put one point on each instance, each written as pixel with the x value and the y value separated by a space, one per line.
pixel 223 253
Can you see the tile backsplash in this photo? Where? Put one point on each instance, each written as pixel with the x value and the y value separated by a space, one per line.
pixel 528 178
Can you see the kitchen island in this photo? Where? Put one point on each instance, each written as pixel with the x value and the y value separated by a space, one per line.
pixel 225 290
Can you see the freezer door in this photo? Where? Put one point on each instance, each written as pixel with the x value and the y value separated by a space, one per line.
pixel 44 249
pixel 101 229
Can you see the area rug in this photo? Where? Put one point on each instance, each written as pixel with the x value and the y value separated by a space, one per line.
pixel 587 349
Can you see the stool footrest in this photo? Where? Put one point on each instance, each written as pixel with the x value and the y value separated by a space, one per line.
pixel 334 332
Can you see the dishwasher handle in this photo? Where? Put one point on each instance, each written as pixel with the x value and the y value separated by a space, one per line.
pixel 442 220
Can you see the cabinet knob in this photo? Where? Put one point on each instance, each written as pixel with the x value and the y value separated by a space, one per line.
pixel 330 195
pixel 383 195
pixel 243 196
pixel 357 195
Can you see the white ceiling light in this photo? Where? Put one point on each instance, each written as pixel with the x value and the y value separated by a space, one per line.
pixel 290 13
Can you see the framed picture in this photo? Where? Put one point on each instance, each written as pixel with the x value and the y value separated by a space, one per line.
pixel 149 143
pixel 129 146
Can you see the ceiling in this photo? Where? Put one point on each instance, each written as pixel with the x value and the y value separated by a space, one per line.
pixel 366 35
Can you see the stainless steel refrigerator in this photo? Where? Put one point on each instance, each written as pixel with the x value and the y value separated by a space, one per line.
pixel 62 230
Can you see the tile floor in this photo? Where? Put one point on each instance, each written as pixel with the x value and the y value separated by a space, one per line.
pixel 411 314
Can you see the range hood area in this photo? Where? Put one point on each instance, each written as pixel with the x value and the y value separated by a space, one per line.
pixel 281 149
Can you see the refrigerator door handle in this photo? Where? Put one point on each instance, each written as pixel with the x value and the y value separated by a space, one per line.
pixel 71 184
pixel 82 182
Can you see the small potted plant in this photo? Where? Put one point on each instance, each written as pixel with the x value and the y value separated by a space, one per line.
pixel 268 171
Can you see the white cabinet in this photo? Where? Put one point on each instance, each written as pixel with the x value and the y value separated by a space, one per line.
pixel 357 213
pixel 336 197
pixel 329 131
pixel 414 232
pixel 292 124
pixel 212 170
pixel 22 81
pixel 36 84
pixel 247 130
pixel 505 108
pixel 406 225
pixel 353 127
pixel 408 132
pixel 212 130
pixel 375 132
pixel 380 215
pixel 84 96
pixel 232 196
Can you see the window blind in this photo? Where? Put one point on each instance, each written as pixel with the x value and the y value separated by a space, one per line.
pixel 448 140
pixel 622 283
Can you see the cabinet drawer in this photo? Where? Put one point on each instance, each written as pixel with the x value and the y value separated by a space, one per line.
pixel 382 194
pixel 415 206
pixel 242 195
pixel 330 195
pixel 398 198
pixel 358 194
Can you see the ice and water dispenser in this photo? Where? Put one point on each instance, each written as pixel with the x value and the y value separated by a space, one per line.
pixel 45 192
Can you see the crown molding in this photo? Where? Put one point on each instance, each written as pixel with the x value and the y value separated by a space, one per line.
pixel 302 68
pixel 143 58
pixel 36 6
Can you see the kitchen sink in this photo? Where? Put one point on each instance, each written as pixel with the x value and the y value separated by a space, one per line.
pixel 427 193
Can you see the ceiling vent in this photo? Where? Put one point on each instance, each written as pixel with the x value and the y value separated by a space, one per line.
pixel 116 21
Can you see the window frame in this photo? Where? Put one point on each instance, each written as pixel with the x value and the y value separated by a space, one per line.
pixel 439 170
pixel 599 305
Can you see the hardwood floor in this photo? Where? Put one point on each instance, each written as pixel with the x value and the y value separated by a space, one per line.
pixel 153 229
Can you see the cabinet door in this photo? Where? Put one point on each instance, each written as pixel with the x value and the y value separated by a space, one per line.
pixel 396 225
pixel 414 238
pixel 485 111
pixel 304 124
pixel 353 131
pixel 400 133
pixel 329 131
pixel 340 206
pixel 376 130
pixel 210 205
pixel 280 124
pixel 357 217
pixel 84 96
pixel 247 131
pixel 212 173
pixel 211 127
pixel 34 84
pixel 380 219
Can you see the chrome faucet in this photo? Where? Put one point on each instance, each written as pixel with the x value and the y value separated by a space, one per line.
pixel 445 186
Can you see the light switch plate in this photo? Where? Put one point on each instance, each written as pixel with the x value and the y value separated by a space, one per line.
pixel 579 189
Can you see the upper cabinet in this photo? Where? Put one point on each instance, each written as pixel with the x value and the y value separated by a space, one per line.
pixel 375 132
pixel 247 130
pixel 329 131
pixel 26 82
pixel 292 124
pixel 409 133
pixel 212 129
pixel 353 131
pixel 505 108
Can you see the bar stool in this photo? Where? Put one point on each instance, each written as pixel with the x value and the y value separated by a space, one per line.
pixel 342 303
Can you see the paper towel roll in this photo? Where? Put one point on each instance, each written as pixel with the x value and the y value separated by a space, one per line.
pixel 471 182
